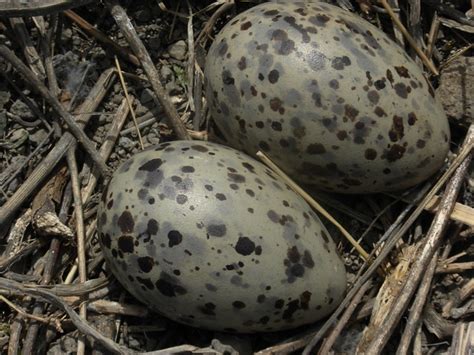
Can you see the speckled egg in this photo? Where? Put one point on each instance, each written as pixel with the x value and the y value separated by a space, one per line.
pixel 210 237
pixel 328 96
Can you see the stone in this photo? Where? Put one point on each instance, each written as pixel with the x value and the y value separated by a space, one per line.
pixel 19 108
pixel 178 50
pixel 456 90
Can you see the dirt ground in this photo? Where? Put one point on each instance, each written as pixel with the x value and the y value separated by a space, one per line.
pixel 44 263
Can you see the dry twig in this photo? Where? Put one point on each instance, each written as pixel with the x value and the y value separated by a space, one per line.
pixel 397 234
pixel 432 240
pixel 142 54
pixel 55 104
pixel 39 174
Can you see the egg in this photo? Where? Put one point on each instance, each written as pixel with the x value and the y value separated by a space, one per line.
pixel 209 237
pixel 328 96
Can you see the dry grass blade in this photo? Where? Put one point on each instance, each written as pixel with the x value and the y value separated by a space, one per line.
pixel 127 97
pixel 409 38
pixel 313 203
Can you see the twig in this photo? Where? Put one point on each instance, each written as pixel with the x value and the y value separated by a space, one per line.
pixel 416 311
pixel 207 29
pixel 109 307
pixel 433 35
pixel 409 38
pixel 129 102
pixel 108 145
pixel 51 257
pixel 143 56
pixel 433 238
pixel 466 291
pixel 331 339
pixel 81 254
pixel 80 323
pixel 23 313
pixel 22 38
pixel 39 174
pixel 46 42
pixel 313 203
pixel 86 26
pixel 414 22
pixel 455 268
pixel 72 272
pixel 191 58
pixel 462 339
pixel 55 104
pixel 398 233
pixel 31 105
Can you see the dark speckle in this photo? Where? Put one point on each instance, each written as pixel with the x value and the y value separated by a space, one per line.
pixel 168 286
pixel 350 112
pixel 145 282
pixel 221 197
pixel 181 199
pixel 308 260
pixel 126 222
pixel 273 76
pixel 297 270
pixel 242 65
pixel 211 287
pixel 200 148
pixel 216 230
pixel 246 25
pixel 293 254
pixel 238 304
pixel 316 148
pixel 402 71
pixel 273 216
pixel 401 90
pixel 237 178
pixel 276 126
pixel 125 244
pixel 174 238
pixel 339 63
pixel 264 146
pixel 151 165
pixel 145 263
pixel 245 246
pixel 227 78
pixel 420 143
pixel 370 154
pixel 187 169
pixel 397 130
pixel 373 97
pixel 395 152
pixel 106 240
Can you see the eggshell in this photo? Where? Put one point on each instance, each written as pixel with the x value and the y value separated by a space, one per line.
pixel 210 237
pixel 328 96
